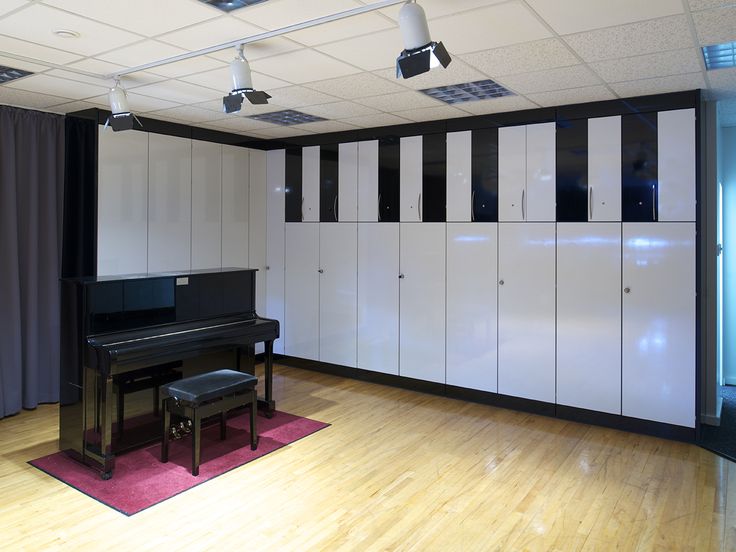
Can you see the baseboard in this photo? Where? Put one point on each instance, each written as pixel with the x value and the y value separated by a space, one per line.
pixel 713 419
pixel 729 380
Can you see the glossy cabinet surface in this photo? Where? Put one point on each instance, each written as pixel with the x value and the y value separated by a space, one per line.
pixel 338 293
pixel 301 291
pixel 572 170
pixel 275 241
pixel 484 195
pixel 459 176
pixel 526 310
pixel 257 226
pixel 589 316
pixel 604 169
pixel 540 172
pixel 639 167
pixel 207 205
pixel 292 185
pixel 368 181
pixel 512 174
pixel 310 183
pixel 389 178
pixel 122 216
pixel 378 297
pixel 676 149
pixel 237 176
pixel 422 301
pixel 433 207
pixel 471 334
pixel 659 322
pixel 411 179
pixel 347 202
pixel 329 183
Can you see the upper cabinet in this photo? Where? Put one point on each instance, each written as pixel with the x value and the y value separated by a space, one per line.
pixel 347 176
pixel 410 180
pixel 311 183
pixel 237 171
pixel 368 181
pixel 676 148
pixel 459 176
pixel 604 169
pixel 328 183
pixel 294 199
pixel 572 171
pixel 484 192
pixel 389 169
pixel 434 178
pixel 639 167
pixel 207 205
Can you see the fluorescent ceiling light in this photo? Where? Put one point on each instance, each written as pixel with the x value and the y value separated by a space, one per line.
pixel 719 56
pixel 420 53
pixel 286 117
pixel 468 91
pixel 230 5
pixel 8 74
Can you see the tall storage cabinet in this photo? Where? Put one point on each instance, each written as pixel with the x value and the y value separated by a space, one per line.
pixel 207 205
pixel 236 206
pixel 301 291
pixel 275 241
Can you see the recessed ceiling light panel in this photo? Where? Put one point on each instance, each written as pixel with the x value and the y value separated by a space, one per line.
pixel 8 74
pixel 468 92
pixel 719 56
pixel 286 118
pixel 230 5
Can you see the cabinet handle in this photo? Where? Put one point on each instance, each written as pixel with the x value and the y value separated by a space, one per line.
pixel 268 267
pixel 320 270
pixel 334 208
pixel 654 202
pixel 419 206
pixel 627 290
pixel 401 276
pixel 472 206
pixel 379 207
pixel 500 282
pixel 590 202
pixel 523 211
pixel 302 208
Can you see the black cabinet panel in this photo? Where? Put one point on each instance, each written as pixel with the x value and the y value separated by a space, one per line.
pixel 388 179
pixel 328 185
pixel 293 185
pixel 434 178
pixel 639 167
pixel 484 195
pixel 572 170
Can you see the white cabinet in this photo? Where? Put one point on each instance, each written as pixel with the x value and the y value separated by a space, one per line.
pixel 512 173
pixel 659 322
pixel 310 183
pixel 604 169
pixel 257 224
pixel 459 176
pixel 275 240
pixel 472 351
pixel 301 291
pixel 540 172
pixel 169 203
pixel 422 302
pixel 676 165
pixel 589 316
pixel 122 216
pixel 378 297
pixel 347 182
pixel 410 178
pixel 526 310
pixel 236 206
pixel 368 181
pixel 207 205
pixel 338 293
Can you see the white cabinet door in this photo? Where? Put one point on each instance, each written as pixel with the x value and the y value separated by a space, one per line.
pixel 604 169
pixel 301 291
pixel 122 217
pixel 368 181
pixel 257 224
pixel 422 302
pixel 347 182
pixel 236 206
pixel 410 178
pixel 338 293
pixel 512 173
pixel 676 164
pixel 207 205
pixel 275 240
pixel 169 203
pixel 540 173
pixel 659 322
pixel 589 316
pixel 526 310
pixel 378 297
pixel 472 352
pixel 459 176
pixel 310 183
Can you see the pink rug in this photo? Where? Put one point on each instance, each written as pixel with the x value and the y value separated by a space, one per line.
pixel 140 480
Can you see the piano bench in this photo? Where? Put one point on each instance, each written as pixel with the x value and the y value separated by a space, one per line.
pixel 203 395
pixel 151 377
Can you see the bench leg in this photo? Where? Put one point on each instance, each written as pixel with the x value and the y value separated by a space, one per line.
pixel 223 425
pixel 253 412
pixel 196 421
pixel 121 410
pixel 166 423
pixel 155 401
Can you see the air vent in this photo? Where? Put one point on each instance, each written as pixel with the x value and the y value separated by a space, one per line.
pixel 286 118
pixel 468 91
pixel 230 5
pixel 8 74
pixel 719 56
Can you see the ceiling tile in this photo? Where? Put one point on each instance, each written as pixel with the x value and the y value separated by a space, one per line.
pixel 707 4
pixel 574 16
pixel 456 73
pixel 221 78
pixel 37 23
pixel 36 51
pixel 441 8
pixel 298 96
pixel 138 103
pixel 57 87
pixel 141 53
pixel 189 114
pixel 31 100
pixel 10 5
pixel 491 27
pixel 71 107
pixel 302 66
pixel 23 65
pixel 497 105
pixel 177 91
pixel 660 64
pixel 210 33
pixel 98 66
pixel 646 37
pixel 71 76
pixel 146 17
pixel 275 15
pixel 715 26
pixel 260 49
pixel 356 86
pixel 321 127
pixel 363 24
pixel 553 79
pixel 659 85
pixel 399 102
pixel 522 58
pixel 187 67
pixel 377 120
pixel 432 113
pixel 241 123
pixel 572 96
pixel 722 83
pixel 369 52
pixel 282 132
pixel 339 110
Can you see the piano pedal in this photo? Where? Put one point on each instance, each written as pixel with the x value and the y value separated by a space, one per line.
pixel 185 427
pixel 174 432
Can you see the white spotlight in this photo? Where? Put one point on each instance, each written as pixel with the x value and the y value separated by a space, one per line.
pixel 242 86
pixel 420 54
pixel 121 118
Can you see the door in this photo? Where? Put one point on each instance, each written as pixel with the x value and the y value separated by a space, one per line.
pixel 459 176
pixel 310 183
pixel 676 150
pixel 604 169
pixel 410 183
pixel 347 207
pixel 368 181
pixel 301 293
pixel 540 173
pixel 512 173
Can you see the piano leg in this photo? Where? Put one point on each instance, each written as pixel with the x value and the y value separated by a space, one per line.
pixel 268 362
pixel 106 427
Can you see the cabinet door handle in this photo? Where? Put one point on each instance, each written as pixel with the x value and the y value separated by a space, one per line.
pixel 627 290
pixel 590 202
pixel 334 208
pixel 523 210
pixel 419 206
pixel 379 207
pixel 401 276
pixel 472 206
pixel 268 267
pixel 500 282
pixel 302 208
pixel 321 271
pixel 654 201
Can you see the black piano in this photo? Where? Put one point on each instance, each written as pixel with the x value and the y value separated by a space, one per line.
pixel 114 326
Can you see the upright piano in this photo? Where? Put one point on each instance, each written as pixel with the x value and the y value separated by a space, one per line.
pixel 118 324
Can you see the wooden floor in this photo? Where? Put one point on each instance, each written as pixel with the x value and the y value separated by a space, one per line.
pixel 397 470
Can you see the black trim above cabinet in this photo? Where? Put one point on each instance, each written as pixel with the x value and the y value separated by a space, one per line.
pixel 293 185
pixel 328 183
pixel 572 170
pixel 434 177
pixel 389 152
pixel 639 185
pixel 484 171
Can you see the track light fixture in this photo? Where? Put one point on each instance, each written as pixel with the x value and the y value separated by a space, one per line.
pixel 242 86
pixel 120 116
pixel 420 54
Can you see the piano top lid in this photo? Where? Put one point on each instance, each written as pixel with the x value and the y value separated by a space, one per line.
pixel 176 273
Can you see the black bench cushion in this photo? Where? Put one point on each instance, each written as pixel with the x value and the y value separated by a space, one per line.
pixel 209 386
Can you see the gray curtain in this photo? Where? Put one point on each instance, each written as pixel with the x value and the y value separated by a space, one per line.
pixel 31 200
